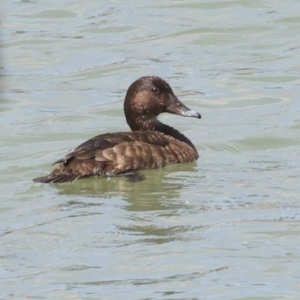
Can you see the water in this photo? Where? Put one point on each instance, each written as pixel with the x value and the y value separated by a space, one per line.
pixel 225 227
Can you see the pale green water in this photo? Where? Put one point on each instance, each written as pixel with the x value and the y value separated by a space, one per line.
pixel 226 227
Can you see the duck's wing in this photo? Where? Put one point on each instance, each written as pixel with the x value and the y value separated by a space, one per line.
pixel 96 145
pixel 109 155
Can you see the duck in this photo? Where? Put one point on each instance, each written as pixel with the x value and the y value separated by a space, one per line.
pixel 149 145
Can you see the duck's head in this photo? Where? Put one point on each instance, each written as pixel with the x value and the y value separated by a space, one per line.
pixel 150 96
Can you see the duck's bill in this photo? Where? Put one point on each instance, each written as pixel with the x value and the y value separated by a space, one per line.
pixel 178 108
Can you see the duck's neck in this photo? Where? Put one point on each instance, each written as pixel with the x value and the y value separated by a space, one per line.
pixel 155 125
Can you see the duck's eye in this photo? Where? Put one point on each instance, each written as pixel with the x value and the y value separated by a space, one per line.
pixel 155 90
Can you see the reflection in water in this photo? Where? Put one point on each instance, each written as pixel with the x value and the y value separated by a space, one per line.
pixel 147 194
pixel 157 193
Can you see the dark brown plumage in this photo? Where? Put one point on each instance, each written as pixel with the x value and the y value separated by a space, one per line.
pixel 150 144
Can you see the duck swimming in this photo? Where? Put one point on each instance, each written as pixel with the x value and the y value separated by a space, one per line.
pixel 150 144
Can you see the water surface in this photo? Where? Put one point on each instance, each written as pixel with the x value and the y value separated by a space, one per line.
pixel 225 227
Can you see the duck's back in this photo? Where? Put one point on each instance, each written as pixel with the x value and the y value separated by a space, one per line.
pixel 118 153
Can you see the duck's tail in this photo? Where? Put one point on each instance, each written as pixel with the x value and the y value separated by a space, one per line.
pixel 57 178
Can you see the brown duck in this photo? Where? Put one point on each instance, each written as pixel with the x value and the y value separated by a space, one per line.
pixel 150 144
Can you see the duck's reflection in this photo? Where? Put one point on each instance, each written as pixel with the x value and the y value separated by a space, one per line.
pixel 152 193
pixel 159 195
